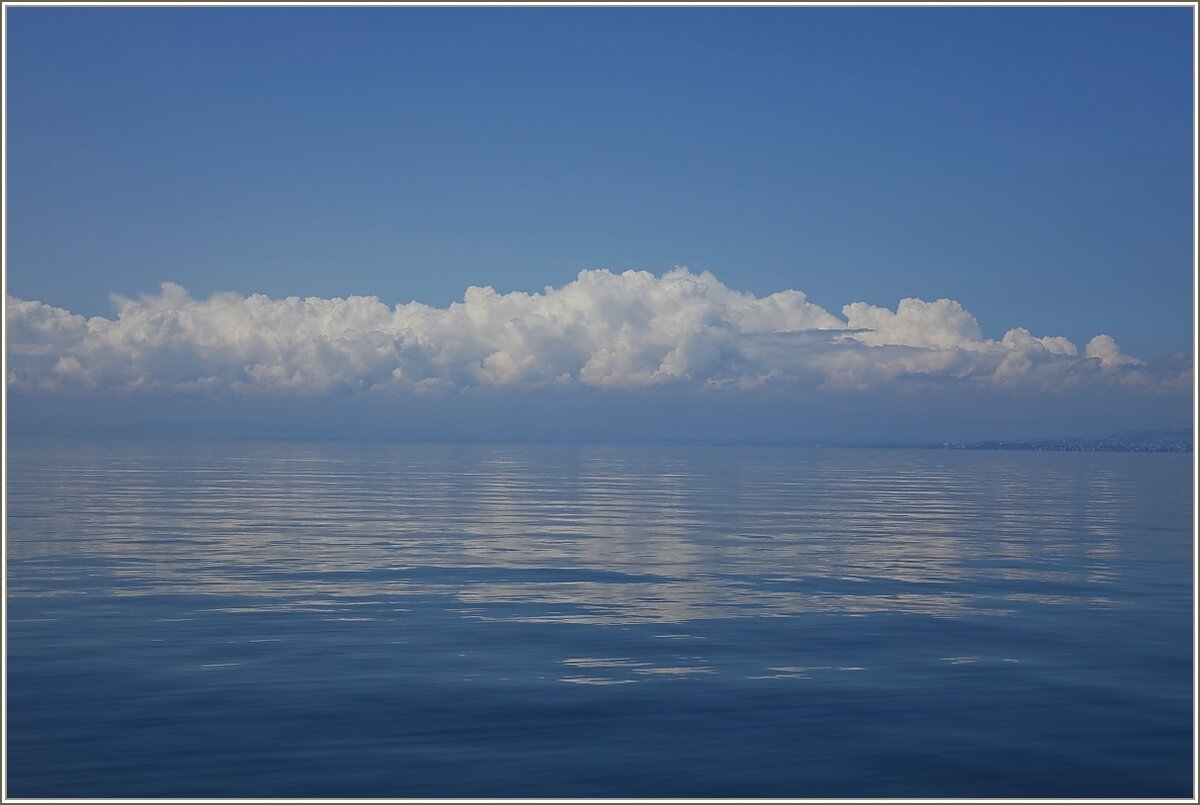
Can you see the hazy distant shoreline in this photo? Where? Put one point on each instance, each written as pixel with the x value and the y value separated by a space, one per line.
pixel 1155 441
pixel 1165 441
pixel 1172 440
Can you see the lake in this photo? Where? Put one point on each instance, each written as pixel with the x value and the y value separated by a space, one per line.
pixel 344 619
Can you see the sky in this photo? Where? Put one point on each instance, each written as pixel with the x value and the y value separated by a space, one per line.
pixel 811 222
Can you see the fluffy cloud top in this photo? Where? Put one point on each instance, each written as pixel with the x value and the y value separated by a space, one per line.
pixel 603 329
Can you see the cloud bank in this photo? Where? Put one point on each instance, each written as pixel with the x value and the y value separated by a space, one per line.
pixel 610 330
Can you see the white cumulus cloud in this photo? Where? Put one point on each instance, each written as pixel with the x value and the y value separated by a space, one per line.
pixel 602 329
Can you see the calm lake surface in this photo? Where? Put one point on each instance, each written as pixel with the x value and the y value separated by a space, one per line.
pixel 307 619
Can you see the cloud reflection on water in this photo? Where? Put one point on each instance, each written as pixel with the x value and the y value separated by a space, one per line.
pixel 577 534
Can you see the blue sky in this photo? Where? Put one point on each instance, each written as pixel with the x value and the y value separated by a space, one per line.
pixel 1032 164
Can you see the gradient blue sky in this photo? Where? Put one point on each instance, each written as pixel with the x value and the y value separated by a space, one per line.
pixel 1034 164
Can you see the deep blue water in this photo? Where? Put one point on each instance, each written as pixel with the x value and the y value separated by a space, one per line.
pixel 269 619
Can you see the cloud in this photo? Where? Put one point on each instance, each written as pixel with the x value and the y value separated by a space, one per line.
pixel 942 324
pixel 1106 350
pixel 602 330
